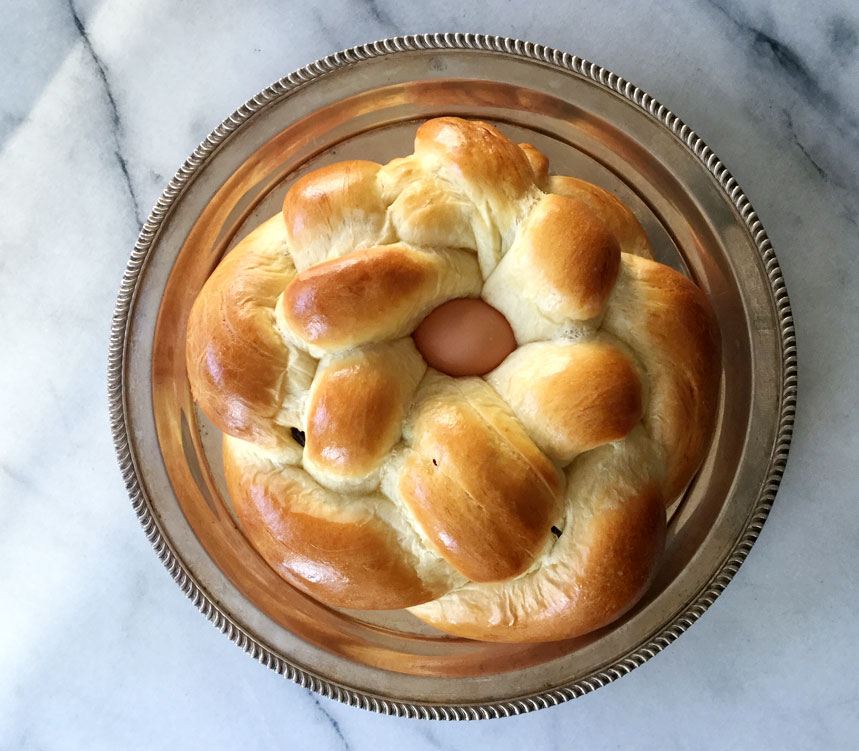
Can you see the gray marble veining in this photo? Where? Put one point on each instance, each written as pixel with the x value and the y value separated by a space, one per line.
pixel 101 102
pixel 116 123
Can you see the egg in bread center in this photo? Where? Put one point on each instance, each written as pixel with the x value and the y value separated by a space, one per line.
pixel 464 337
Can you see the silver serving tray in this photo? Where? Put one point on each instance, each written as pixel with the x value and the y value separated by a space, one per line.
pixel 366 103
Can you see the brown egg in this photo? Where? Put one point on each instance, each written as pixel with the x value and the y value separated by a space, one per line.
pixel 464 337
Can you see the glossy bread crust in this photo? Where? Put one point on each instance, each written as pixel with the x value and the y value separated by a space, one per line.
pixel 609 549
pixel 475 482
pixel 345 554
pixel 240 370
pixel 525 505
pixel 669 322
pixel 373 295
pixel 355 412
pixel 571 397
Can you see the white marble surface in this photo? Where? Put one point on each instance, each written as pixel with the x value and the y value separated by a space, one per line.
pixel 100 102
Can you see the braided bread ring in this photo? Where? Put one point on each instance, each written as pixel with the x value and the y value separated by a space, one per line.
pixel 526 505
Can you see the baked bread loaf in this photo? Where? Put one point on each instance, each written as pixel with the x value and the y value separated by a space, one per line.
pixel 524 505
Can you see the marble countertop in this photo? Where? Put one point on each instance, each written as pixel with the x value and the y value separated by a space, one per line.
pixel 101 102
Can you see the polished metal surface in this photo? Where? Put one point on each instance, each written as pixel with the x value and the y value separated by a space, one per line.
pixel 366 103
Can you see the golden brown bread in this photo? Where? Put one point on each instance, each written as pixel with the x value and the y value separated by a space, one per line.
pixel 332 211
pixel 344 553
pixel 482 492
pixel 525 505
pixel 355 412
pixel 670 324
pixel 242 373
pixel 558 272
pixel 571 396
pixel 610 209
pixel 612 537
pixel 374 294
